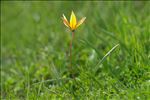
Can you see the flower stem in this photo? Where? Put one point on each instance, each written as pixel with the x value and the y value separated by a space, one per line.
pixel 71 44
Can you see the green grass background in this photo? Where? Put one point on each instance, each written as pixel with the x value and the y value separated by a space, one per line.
pixel 35 43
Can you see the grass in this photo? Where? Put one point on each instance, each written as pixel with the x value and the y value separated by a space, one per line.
pixel 35 44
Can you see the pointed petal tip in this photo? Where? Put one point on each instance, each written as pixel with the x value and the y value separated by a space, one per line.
pixel 63 16
pixel 84 17
pixel 72 12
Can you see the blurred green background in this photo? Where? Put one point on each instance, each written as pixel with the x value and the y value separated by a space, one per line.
pixel 35 43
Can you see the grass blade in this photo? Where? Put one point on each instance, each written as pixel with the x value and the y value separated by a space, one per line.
pixel 107 54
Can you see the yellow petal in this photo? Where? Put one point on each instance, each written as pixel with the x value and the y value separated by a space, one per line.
pixel 80 22
pixel 73 21
pixel 65 21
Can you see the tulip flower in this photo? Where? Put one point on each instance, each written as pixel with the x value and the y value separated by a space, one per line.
pixel 73 21
pixel 73 25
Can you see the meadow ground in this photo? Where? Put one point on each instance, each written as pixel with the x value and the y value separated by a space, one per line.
pixel 35 42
